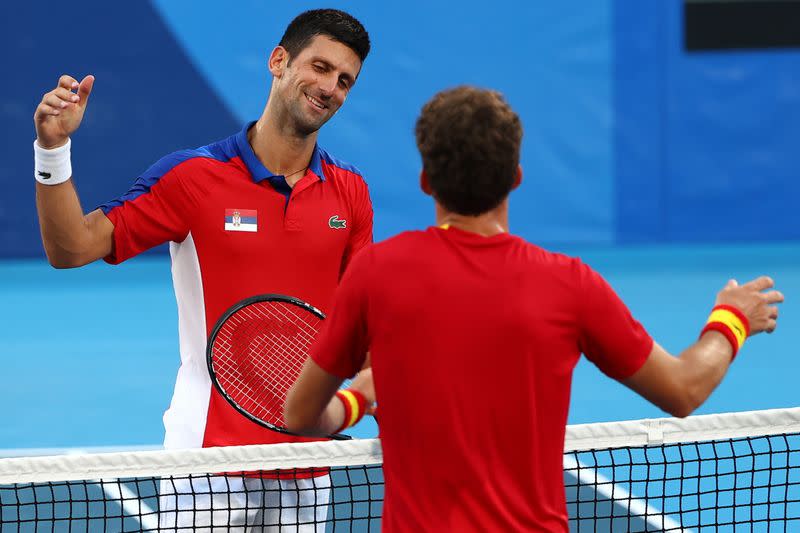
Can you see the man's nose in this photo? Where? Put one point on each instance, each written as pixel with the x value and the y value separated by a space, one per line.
pixel 328 85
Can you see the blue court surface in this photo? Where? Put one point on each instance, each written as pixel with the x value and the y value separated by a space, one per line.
pixel 90 355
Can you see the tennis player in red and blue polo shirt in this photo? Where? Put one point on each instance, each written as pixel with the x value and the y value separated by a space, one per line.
pixel 473 334
pixel 263 211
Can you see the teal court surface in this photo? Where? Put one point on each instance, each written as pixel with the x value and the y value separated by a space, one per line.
pixel 90 355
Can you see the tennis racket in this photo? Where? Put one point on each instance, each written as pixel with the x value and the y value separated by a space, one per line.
pixel 256 351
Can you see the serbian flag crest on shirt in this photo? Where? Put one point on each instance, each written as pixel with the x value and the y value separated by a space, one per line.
pixel 241 220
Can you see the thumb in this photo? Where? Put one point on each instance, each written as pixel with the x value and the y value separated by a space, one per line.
pixel 732 283
pixel 85 89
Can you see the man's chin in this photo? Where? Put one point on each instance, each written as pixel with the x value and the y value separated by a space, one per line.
pixel 307 127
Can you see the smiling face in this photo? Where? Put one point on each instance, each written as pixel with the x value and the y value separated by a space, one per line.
pixel 310 87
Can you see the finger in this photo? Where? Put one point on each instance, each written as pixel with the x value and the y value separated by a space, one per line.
pixel 760 283
pixel 44 110
pixel 85 89
pixel 773 297
pixel 67 82
pixel 771 325
pixel 65 94
pixel 55 101
pixel 772 312
pixel 732 283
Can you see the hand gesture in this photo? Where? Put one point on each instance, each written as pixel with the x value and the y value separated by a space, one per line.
pixel 754 301
pixel 61 111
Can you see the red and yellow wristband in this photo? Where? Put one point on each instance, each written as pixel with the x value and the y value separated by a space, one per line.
pixel 731 323
pixel 355 406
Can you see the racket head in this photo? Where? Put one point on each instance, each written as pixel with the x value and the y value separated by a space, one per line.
pixel 256 351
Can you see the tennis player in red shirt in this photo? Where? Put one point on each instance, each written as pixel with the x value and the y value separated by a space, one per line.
pixel 474 334
pixel 265 210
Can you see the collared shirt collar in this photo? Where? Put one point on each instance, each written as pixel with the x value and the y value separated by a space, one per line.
pixel 257 170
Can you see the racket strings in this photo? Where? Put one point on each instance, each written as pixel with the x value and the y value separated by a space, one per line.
pixel 259 352
pixel 263 380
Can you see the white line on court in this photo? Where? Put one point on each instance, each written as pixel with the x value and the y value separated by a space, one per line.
pixel 131 505
pixel 619 496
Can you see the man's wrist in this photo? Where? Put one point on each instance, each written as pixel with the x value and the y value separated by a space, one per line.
pixel 355 406
pixel 52 166
pixel 52 146
pixel 731 323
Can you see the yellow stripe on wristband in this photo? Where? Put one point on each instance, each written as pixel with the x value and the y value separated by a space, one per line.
pixel 355 412
pixel 731 321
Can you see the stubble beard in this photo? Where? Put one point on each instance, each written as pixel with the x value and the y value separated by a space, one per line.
pixel 300 122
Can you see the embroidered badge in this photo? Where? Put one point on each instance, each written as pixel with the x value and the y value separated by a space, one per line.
pixel 241 220
pixel 335 223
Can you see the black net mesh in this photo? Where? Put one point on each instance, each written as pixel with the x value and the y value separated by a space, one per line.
pixel 747 483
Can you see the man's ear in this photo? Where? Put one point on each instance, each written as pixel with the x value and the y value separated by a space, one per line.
pixel 517 178
pixel 424 184
pixel 278 60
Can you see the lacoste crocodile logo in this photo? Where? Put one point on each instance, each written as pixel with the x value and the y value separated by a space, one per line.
pixel 335 223
pixel 45 175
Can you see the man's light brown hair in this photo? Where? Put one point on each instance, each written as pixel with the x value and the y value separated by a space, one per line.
pixel 469 139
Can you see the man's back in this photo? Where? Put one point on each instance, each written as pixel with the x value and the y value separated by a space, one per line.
pixel 473 340
pixel 473 336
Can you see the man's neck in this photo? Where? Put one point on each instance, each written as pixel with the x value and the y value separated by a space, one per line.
pixel 488 224
pixel 282 151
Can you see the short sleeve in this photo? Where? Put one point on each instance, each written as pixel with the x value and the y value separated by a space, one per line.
pixel 361 234
pixel 343 342
pixel 609 335
pixel 155 210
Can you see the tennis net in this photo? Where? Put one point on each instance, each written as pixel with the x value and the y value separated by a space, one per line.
pixel 731 472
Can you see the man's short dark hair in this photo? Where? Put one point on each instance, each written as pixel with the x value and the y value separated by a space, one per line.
pixel 336 24
pixel 469 139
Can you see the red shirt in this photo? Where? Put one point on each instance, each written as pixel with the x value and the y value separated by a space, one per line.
pixel 473 342
pixel 236 230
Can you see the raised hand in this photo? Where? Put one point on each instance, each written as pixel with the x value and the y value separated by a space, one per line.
pixel 61 110
pixel 755 301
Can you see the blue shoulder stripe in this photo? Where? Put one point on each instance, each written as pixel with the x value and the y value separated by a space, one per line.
pixel 220 150
pixel 328 158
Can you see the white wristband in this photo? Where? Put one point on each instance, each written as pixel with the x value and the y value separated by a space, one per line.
pixel 52 167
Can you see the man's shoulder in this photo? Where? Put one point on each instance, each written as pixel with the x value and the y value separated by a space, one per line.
pixel 404 244
pixel 544 255
pixel 336 168
pixel 391 251
pixel 221 151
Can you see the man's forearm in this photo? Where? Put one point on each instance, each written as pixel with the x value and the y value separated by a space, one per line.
pixel 329 420
pixel 702 367
pixel 311 405
pixel 678 385
pixel 314 407
pixel 70 239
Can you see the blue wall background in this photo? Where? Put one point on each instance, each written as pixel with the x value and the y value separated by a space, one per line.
pixel 628 139
pixel 703 142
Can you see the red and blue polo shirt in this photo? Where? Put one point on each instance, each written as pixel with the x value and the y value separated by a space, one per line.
pixel 236 230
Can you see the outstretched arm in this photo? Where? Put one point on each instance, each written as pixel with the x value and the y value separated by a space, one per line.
pixel 311 405
pixel 679 385
pixel 70 238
